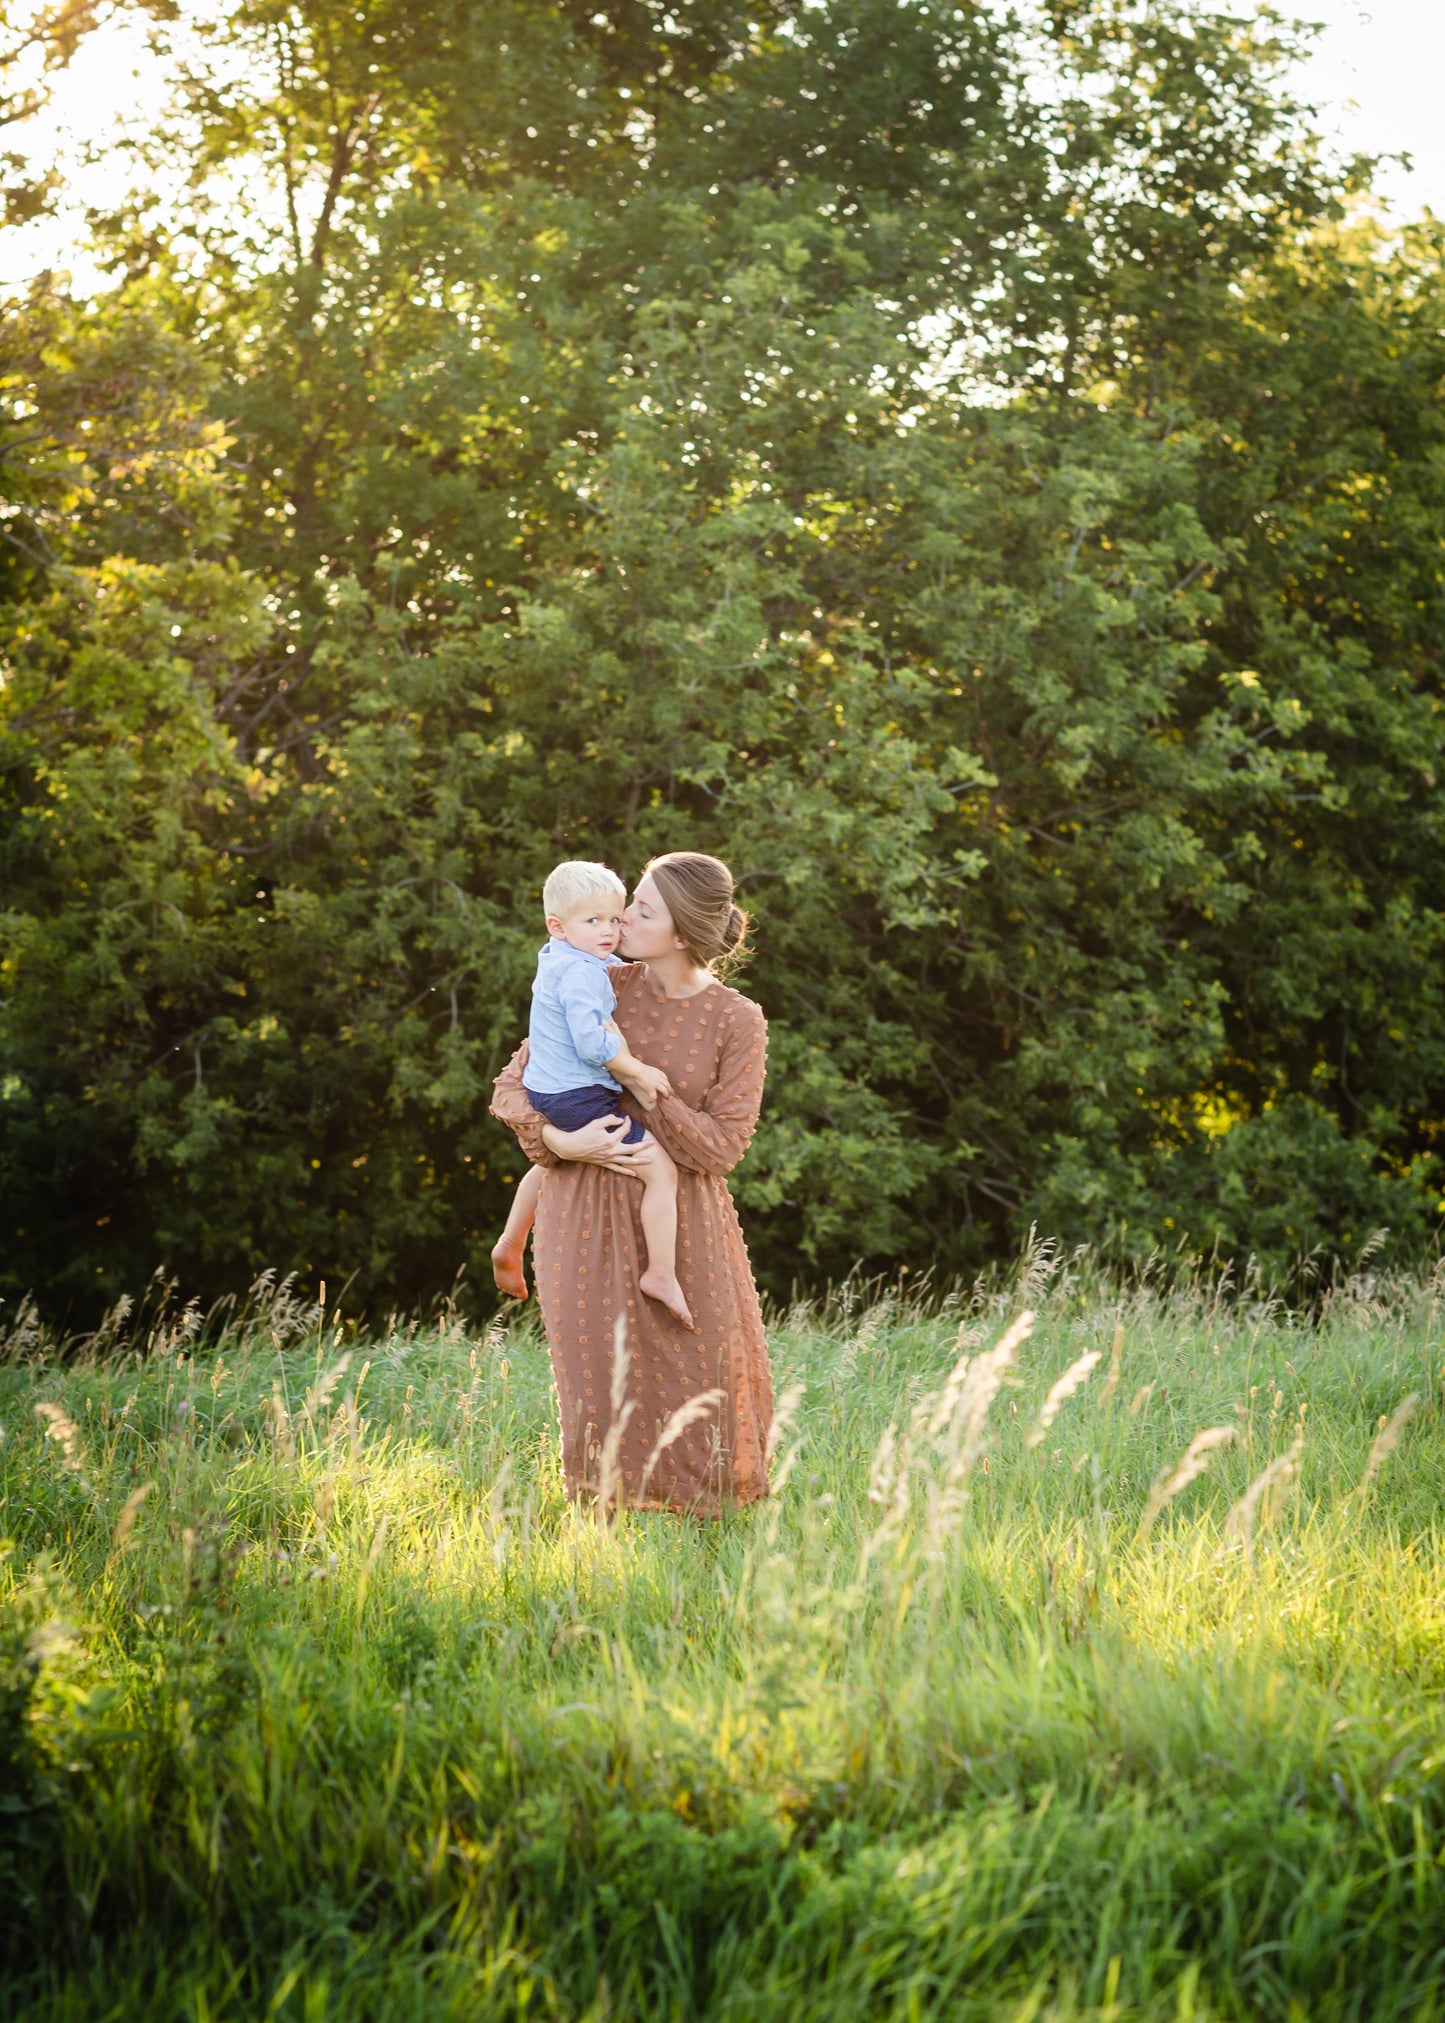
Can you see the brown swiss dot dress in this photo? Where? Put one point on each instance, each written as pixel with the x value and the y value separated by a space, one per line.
pixel 588 1253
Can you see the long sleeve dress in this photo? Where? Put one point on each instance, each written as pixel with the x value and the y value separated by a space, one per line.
pixel 589 1252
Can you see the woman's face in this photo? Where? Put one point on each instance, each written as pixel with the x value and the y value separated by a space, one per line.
pixel 647 931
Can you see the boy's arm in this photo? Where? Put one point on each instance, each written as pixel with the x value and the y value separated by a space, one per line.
pixel 646 1083
pixel 586 998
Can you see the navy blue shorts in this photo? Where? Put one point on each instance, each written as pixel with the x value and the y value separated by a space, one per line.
pixel 570 1109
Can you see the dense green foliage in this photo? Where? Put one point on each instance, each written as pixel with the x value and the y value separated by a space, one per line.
pixel 1003 518
pixel 318 1701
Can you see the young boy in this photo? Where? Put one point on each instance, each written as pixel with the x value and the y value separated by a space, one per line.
pixel 578 1064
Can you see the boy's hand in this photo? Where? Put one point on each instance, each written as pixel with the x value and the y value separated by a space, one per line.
pixel 648 1084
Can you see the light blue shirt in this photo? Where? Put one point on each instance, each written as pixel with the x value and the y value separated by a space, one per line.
pixel 572 997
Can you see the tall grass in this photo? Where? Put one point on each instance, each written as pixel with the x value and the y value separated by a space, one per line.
pixel 317 1700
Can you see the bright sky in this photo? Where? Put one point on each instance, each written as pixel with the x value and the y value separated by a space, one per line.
pixel 1376 78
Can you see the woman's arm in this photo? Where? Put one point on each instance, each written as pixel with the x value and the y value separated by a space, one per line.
pixel 512 1106
pixel 713 1138
pixel 595 1144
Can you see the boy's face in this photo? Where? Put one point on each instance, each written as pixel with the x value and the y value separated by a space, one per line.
pixel 595 927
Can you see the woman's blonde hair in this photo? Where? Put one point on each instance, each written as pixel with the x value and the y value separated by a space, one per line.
pixel 698 893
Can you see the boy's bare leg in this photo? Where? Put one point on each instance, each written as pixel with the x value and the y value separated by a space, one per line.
pixel 659 1226
pixel 510 1250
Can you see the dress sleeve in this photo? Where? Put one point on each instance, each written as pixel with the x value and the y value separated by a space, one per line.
pixel 714 1137
pixel 512 1106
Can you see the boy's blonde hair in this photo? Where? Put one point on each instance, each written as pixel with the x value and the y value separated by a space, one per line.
pixel 571 885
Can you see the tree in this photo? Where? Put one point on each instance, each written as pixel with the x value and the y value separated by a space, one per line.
pixel 35 43
pixel 795 435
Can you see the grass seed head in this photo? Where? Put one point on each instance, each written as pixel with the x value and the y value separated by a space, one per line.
pixel 62 1429
pixel 676 1425
pixel 129 1511
pixel 1385 1442
pixel 1078 1373
pixel 609 1468
pixel 319 1397
pixel 784 1413
pixel 977 1387
pixel 1265 1497
pixel 1190 1465
pixel 1116 1361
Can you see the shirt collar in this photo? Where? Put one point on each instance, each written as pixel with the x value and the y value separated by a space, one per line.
pixel 562 951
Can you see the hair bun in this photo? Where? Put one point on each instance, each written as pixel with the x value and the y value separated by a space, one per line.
pixel 697 891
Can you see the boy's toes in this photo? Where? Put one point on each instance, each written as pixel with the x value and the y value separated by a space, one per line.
pixel 668 1293
pixel 508 1273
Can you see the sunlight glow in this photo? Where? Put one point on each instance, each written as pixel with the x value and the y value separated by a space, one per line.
pixel 1372 78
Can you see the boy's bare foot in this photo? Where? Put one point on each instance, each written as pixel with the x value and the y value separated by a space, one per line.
pixel 667 1292
pixel 507 1271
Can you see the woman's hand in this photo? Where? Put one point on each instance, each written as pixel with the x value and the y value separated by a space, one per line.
pixel 600 1144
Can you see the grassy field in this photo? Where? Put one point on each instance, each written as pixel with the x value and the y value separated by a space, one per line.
pixel 318 1701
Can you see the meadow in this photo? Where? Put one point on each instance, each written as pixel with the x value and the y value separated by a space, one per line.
pixel 1019 1700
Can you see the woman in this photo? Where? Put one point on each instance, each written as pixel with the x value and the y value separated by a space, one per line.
pixel 588 1248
